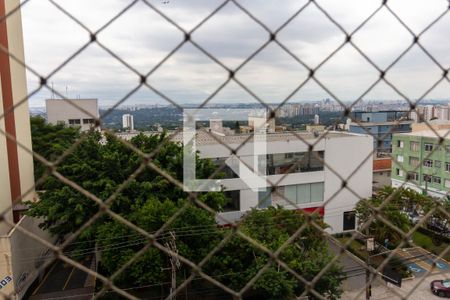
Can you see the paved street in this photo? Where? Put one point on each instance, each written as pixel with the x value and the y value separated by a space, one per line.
pixel 353 268
pixel 382 292
pixel 420 262
pixel 63 280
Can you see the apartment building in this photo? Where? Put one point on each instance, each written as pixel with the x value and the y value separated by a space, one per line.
pixel 301 179
pixel 72 112
pixel 381 125
pixel 128 122
pixel 21 256
pixel 420 163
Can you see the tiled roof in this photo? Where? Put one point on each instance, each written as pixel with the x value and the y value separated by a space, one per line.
pixel 382 164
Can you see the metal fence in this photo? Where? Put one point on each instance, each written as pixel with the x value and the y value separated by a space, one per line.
pixel 143 80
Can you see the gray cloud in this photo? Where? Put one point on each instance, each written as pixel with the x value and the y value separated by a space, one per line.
pixel 142 38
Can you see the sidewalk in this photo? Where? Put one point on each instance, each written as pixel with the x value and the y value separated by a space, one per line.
pixel 383 292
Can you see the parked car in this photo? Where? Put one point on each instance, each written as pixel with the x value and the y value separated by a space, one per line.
pixel 414 218
pixel 440 287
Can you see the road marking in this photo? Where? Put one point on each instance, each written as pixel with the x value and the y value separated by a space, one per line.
pixel 45 278
pixel 423 259
pixel 414 268
pixel 68 278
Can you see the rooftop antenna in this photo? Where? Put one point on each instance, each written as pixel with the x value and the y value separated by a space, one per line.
pixel 53 92
pixel 67 95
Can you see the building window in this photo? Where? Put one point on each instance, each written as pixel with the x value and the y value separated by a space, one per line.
pixel 414 161
pixel 88 121
pixel 428 163
pixel 296 162
pixel 436 179
pixel 288 155
pixel 60 122
pixel 304 193
pixel 428 147
pixel 437 164
pixel 74 121
pixel 414 146
pixel 447 167
pixel 265 198
pixel 447 149
pixel 427 178
pixel 399 172
pixel 233 203
pixel 400 144
pixel 399 158
pixel 447 183
pixel 412 176
pixel 349 220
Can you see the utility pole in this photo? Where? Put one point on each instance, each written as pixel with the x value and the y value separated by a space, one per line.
pixel 174 263
pixel 370 245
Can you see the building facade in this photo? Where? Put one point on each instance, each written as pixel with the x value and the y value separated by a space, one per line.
pixel 128 122
pixel 21 255
pixel 381 172
pixel 301 179
pixel 381 125
pixel 72 112
pixel 420 163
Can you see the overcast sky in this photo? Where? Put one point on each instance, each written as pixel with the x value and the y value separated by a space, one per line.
pixel 142 38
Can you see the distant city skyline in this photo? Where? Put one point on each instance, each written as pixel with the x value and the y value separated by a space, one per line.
pixel 142 38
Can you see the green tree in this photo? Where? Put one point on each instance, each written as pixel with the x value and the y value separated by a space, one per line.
pixel 102 163
pixel 307 255
pixel 50 141
pixel 237 127
pixel 395 203
pixel 100 168
pixel 194 233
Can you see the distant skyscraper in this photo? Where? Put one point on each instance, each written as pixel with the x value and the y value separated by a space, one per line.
pixel 316 119
pixel 128 122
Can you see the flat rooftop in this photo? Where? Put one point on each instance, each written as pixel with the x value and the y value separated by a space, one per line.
pixel 364 124
pixel 429 133
pixel 204 138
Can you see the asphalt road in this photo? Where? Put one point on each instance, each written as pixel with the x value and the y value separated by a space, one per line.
pixel 62 277
pixel 353 268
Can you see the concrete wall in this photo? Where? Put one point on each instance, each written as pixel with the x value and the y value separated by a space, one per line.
pixel 17 251
pixel 381 179
pixel 21 256
pixel 63 110
pixel 5 202
pixel 346 156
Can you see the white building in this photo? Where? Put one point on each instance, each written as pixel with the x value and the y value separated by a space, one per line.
pixel 443 112
pixel 261 123
pixel 21 255
pixel 72 112
pixel 311 182
pixel 128 122
pixel 316 120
